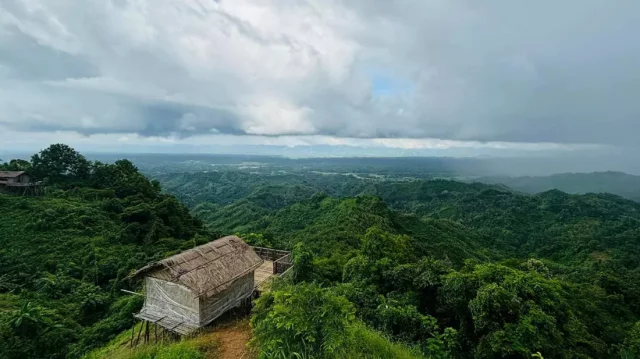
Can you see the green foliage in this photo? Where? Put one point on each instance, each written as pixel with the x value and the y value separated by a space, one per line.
pixel 65 256
pixel 33 331
pixel 116 320
pixel 305 321
pixel 631 347
pixel 369 344
pixel 58 163
pixel 378 244
pixel 255 239
pixel 192 348
pixel 456 269
pixel 503 310
pixel 16 165
pixel 303 268
pixel 448 269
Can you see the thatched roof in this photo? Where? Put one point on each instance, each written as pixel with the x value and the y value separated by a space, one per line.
pixel 11 174
pixel 207 269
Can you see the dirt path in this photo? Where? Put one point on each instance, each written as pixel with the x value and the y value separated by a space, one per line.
pixel 233 341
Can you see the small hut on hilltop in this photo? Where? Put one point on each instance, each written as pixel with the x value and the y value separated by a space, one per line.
pixel 15 179
pixel 191 289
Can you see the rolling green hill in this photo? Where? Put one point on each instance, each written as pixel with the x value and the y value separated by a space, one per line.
pixel 582 248
pixel 619 183
pixel 448 269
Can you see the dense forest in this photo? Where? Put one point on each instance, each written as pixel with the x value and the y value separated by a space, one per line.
pixel 64 256
pixel 384 268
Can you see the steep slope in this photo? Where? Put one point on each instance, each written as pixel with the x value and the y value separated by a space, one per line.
pixel 65 256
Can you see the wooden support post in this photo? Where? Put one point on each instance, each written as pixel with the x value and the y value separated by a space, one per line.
pixel 155 329
pixel 146 333
pixel 140 332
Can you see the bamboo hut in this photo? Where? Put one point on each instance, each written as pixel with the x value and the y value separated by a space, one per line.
pixel 15 179
pixel 191 289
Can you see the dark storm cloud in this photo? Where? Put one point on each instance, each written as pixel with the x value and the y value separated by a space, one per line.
pixel 102 112
pixel 526 71
pixel 29 61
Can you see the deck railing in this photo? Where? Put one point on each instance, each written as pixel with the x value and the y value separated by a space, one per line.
pixel 282 265
pixel 270 254
pixel 281 259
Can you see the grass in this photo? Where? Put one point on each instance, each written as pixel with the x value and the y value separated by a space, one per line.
pixel 179 350
pixel 201 347
pixel 366 344
pixel 369 344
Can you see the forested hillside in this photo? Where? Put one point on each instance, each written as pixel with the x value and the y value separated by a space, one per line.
pixel 383 268
pixel 64 256
pixel 498 273
pixel 550 224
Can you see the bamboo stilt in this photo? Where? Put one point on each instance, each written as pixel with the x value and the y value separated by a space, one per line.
pixel 139 333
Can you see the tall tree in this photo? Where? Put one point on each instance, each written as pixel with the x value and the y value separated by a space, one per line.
pixel 59 162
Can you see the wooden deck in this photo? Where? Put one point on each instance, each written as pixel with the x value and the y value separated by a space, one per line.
pixel 276 263
pixel 262 275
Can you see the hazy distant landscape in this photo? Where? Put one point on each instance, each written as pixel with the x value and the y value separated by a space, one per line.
pixel 515 173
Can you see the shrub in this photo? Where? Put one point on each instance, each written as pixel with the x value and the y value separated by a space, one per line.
pixel 304 320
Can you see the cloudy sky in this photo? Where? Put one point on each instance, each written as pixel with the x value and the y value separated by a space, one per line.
pixel 509 75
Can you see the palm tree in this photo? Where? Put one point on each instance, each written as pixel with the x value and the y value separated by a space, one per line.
pixel 48 285
pixel 27 320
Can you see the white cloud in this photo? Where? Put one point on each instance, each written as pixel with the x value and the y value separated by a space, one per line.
pixel 272 116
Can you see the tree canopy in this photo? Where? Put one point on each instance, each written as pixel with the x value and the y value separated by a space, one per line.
pixel 58 162
pixel 383 268
pixel 65 256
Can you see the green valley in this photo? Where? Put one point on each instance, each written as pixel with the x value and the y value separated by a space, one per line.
pixel 384 267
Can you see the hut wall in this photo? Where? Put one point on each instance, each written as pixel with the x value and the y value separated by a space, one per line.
pixel 214 306
pixel 167 299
